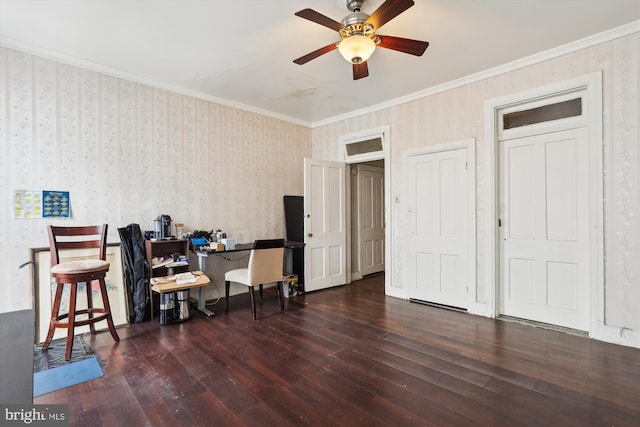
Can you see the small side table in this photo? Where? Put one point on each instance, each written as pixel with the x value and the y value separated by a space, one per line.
pixel 174 298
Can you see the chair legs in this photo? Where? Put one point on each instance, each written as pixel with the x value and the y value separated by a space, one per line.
pixel 227 286
pixel 57 320
pixel 280 295
pixel 253 303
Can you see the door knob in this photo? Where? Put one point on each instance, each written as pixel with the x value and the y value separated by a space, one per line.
pixel 309 234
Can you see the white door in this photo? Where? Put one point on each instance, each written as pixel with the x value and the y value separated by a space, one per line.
pixel 438 212
pixel 544 233
pixel 371 219
pixel 325 224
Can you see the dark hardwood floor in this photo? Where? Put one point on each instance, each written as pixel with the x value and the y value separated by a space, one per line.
pixel 349 356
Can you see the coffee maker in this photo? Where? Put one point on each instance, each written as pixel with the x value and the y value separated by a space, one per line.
pixel 163 227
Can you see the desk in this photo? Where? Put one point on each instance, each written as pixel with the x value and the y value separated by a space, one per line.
pixel 204 253
pixel 162 248
pixel 162 285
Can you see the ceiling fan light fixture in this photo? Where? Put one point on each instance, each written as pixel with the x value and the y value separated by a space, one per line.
pixel 357 48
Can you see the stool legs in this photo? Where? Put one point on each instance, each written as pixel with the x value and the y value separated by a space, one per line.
pixel 54 315
pixel 107 307
pixel 70 324
pixel 71 320
pixel 88 289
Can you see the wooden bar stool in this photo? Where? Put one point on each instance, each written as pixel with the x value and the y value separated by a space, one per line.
pixel 75 272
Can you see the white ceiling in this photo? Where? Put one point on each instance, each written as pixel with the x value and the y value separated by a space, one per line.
pixel 240 52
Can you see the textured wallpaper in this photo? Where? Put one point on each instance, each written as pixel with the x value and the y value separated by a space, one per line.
pixel 127 153
pixel 458 114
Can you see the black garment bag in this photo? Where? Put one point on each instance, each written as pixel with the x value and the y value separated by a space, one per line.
pixel 136 271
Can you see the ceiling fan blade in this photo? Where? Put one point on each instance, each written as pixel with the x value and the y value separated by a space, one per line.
pixel 412 47
pixel 313 55
pixel 387 11
pixel 360 70
pixel 319 18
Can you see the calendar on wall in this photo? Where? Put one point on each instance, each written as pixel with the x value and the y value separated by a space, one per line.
pixel 40 204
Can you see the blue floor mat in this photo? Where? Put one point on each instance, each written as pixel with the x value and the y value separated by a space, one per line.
pixel 67 375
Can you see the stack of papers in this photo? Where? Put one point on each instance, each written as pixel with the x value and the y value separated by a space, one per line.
pixel 169 262
pixel 161 261
pixel 186 278
pixel 177 264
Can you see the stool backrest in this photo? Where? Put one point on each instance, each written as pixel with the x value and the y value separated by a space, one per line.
pixel 79 237
pixel 266 261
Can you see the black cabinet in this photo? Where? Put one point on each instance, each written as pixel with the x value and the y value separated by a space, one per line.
pixel 294 226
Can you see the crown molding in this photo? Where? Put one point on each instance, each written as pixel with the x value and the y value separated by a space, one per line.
pixel 606 36
pixel 118 73
pixel 593 40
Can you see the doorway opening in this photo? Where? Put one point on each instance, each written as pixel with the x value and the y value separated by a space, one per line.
pixel 367 232
pixel 368 204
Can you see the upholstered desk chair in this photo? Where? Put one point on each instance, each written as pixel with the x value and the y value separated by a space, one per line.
pixel 265 266
pixel 75 272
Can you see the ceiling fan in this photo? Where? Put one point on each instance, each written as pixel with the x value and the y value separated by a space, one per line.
pixel 358 34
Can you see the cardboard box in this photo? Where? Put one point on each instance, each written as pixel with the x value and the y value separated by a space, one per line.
pixel 290 285
pixel 229 244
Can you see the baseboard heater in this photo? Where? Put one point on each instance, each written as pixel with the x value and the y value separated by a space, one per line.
pixel 436 305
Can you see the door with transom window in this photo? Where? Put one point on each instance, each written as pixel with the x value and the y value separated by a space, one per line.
pixel 544 228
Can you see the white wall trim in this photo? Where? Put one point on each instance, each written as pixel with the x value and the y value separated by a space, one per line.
pixel 396 292
pixel 617 335
pixel 384 132
pixel 137 78
pixel 586 42
pixel 470 146
pixel 381 132
pixel 591 84
pixel 593 40
pixel 362 167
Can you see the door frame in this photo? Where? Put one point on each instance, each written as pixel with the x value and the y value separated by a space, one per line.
pixel 470 146
pixel 360 167
pixel 591 86
pixel 385 133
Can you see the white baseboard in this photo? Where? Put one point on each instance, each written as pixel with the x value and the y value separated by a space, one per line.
pixel 479 309
pixel 391 291
pixel 616 335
